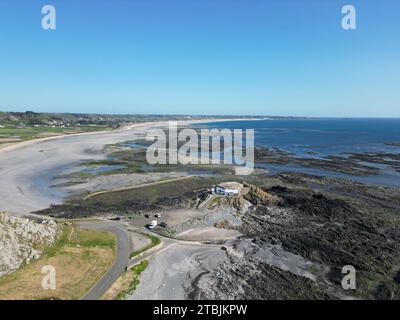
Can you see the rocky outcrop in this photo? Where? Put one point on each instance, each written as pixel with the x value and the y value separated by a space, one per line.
pixel 22 240
pixel 299 233
pixel 257 196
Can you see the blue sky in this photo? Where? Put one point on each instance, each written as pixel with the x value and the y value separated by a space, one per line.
pixel 286 57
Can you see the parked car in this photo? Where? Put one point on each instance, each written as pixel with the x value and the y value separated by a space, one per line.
pixel 157 215
pixel 147 215
pixel 153 224
pixel 163 224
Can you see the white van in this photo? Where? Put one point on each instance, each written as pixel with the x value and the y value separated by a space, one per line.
pixel 153 224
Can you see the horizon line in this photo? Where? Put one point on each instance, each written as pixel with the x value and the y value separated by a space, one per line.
pixel 209 115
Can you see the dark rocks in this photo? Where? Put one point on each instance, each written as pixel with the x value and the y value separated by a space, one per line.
pixel 383 292
pixel 332 228
pixel 397 277
pixel 353 164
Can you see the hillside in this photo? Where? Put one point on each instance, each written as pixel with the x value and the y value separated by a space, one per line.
pixel 22 240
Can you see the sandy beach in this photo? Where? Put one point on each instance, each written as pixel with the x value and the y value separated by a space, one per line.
pixel 28 169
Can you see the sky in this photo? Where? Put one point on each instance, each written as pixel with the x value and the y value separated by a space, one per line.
pixel 238 57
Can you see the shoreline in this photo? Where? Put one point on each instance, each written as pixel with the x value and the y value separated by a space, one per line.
pixel 27 183
pixel 33 182
pixel 290 199
pixel 13 145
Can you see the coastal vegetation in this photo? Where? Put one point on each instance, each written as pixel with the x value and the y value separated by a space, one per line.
pixel 154 242
pixel 21 134
pixel 30 124
pixel 80 257
pixel 127 283
pixel 20 126
pixel 135 200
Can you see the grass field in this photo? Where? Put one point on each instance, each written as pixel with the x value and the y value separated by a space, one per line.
pixel 80 257
pixel 126 283
pixel 44 131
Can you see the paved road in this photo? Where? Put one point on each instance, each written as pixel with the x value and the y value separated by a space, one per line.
pixel 121 261
pixel 124 249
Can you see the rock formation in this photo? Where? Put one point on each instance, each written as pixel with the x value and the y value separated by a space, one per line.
pixel 22 240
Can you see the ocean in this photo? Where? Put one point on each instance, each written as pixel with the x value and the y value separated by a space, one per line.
pixel 320 138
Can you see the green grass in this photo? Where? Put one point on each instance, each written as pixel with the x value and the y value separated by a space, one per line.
pixel 154 241
pixel 98 163
pixel 136 270
pixel 93 238
pixel 78 268
pixel 36 132
pixel 74 236
pixel 85 175
pixel 60 243
pixel 150 194
pixel 130 167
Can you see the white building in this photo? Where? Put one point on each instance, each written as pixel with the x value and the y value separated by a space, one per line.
pixel 228 189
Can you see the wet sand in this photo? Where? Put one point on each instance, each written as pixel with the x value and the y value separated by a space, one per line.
pixel 171 272
pixel 28 169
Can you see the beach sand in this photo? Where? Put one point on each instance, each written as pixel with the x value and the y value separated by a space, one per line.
pixel 28 169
